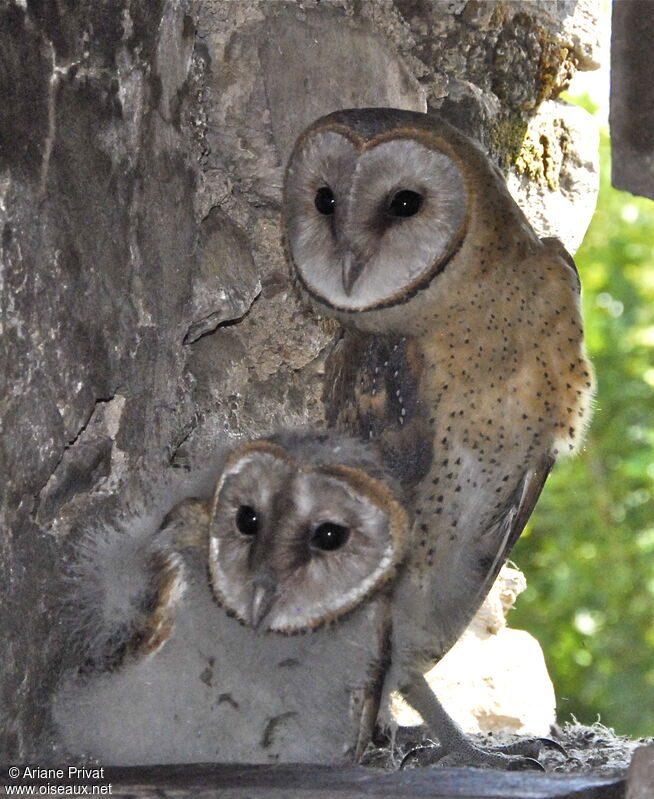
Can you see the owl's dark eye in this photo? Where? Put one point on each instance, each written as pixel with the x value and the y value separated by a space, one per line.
pixel 247 520
pixel 325 201
pixel 329 536
pixel 405 203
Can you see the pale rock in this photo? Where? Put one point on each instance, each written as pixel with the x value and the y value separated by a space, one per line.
pixel 555 179
pixel 330 63
pixel 580 21
pixel 494 679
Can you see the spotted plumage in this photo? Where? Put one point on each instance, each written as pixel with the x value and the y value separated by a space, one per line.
pixel 462 355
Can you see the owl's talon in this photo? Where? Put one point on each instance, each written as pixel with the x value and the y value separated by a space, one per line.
pixel 518 756
pixel 530 747
pixel 525 764
pixel 436 753
pixel 456 749
pixel 549 743
pixel 472 756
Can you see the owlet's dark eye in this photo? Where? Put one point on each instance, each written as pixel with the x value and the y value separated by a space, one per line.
pixel 329 536
pixel 325 201
pixel 405 203
pixel 247 520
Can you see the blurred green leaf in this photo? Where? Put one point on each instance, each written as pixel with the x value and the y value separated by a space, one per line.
pixel 589 551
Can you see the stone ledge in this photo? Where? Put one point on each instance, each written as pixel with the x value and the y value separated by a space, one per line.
pixel 207 781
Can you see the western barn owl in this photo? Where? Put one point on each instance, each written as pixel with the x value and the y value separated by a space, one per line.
pixel 462 356
pixel 253 626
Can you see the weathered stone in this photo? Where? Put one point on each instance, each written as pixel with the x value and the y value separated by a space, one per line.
pixel 92 299
pixel 330 62
pixel 92 463
pixel 555 179
pixel 226 280
pixel 578 23
pixel 632 97
pixel 640 779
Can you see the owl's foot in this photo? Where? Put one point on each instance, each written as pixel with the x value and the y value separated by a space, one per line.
pixel 455 748
pixel 518 756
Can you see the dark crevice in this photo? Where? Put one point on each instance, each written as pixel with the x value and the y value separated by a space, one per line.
pixel 192 335
pixel 67 446
pixel 173 460
pixel 99 401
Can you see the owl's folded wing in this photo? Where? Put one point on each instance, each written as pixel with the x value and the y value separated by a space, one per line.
pixel 498 539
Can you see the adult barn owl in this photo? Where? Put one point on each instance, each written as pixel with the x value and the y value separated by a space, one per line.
pixel 462 357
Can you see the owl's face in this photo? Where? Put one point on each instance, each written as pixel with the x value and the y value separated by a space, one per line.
pixel 294 545
pixel 374 208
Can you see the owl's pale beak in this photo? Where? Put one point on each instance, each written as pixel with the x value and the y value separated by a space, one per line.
pixel 263 596
pixel 352 268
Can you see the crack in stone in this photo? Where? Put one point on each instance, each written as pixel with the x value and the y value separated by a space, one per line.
pixel 38 498
pixel 97 403
pixel 205 327
pixel 186 434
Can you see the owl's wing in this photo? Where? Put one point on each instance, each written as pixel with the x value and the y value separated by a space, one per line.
pixel 464 566
pixel 123 588
pixel 496 541
pixel 372 392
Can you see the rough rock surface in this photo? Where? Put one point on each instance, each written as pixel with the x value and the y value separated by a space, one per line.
pixel 146 317
pixel 555 177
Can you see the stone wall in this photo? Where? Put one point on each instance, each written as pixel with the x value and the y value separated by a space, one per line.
pixel 632 97
pixel 146 317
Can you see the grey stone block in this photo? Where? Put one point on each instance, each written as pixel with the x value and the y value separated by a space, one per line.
pixel 640 779
pixel 318 61
pixel 632 97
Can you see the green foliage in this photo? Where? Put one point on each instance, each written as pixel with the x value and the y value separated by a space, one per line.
pixel 588 552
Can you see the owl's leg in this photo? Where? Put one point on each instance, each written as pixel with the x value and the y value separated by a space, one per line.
pixel 369 709
pixel 455 747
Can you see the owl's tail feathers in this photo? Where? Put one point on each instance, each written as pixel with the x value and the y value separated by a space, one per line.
pixel 123 589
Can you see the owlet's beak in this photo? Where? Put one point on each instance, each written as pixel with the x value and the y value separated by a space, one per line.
pixel 352 269
pixel 263 596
